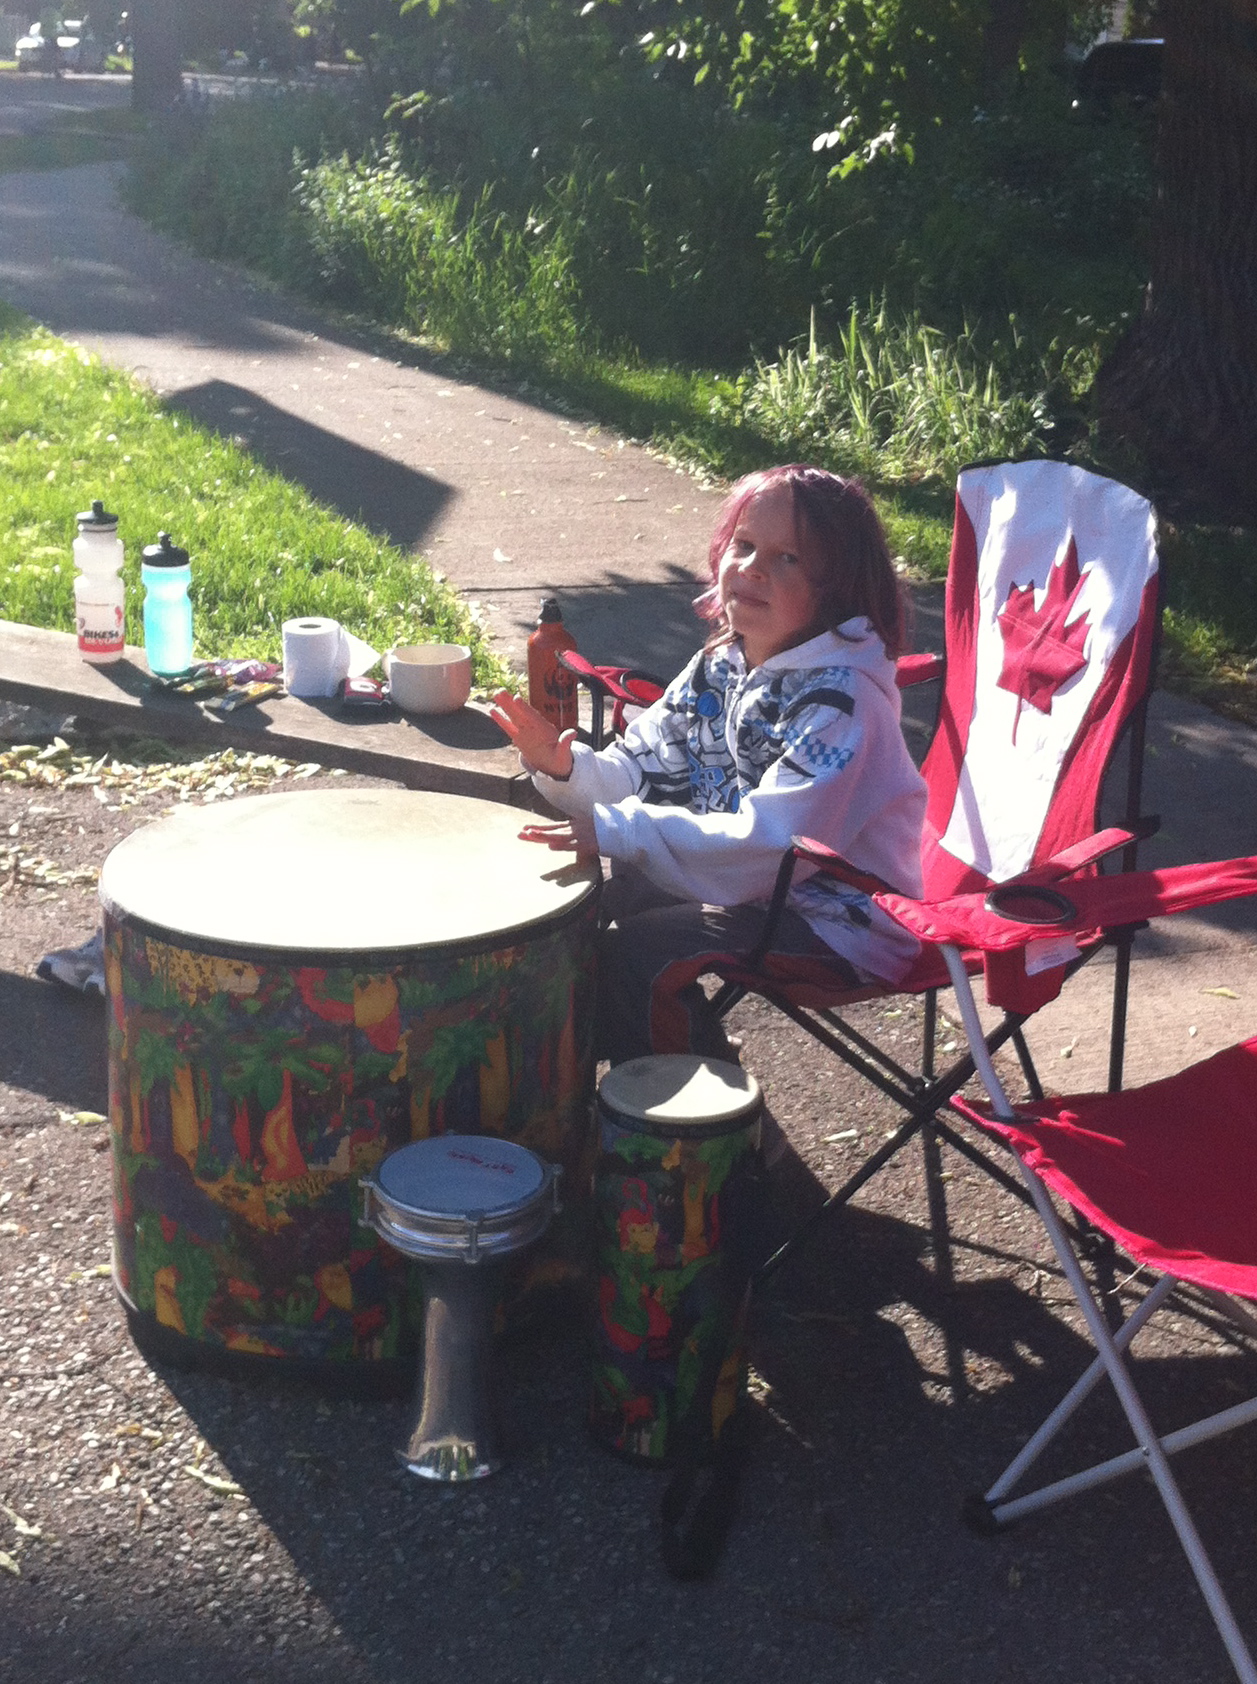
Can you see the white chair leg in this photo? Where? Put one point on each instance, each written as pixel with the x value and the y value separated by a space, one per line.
pixel 1150 1448
pixel 1082 1389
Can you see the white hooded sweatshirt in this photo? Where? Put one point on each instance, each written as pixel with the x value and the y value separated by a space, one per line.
pixel 708 786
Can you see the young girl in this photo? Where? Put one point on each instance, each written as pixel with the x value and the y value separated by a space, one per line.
pixel 786 723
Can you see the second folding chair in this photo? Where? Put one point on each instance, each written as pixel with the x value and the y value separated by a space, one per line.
pixel 1167 1171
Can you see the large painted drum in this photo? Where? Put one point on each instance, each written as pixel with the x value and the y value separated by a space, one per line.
pixel 298 985
pixel 675 1196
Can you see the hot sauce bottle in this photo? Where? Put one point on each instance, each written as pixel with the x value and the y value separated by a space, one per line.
pixel 551 687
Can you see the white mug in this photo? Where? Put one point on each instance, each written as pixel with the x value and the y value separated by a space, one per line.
pixel 429 677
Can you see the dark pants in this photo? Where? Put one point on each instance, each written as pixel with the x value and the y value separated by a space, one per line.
pixel 645 932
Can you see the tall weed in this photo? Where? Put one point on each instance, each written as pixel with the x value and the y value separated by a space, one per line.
pixel 895 399
pixel 409 253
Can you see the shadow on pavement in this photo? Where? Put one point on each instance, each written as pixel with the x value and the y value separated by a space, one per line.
pixel 849 1562
pixel 52 1042
pixel 362 485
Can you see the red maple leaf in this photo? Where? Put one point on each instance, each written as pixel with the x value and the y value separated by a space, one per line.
pixel 1041 652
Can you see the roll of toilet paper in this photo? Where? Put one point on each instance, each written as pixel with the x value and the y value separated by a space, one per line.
pixel 319 654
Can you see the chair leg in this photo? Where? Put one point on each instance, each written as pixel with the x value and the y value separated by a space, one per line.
pixel 1033 1086
pixel 936 1199
pixel 1152 1451
pixel 1000 1510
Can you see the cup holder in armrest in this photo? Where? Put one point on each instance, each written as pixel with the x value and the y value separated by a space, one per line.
pixel 1031 903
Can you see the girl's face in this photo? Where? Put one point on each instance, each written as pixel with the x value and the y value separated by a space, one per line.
pixel 768 584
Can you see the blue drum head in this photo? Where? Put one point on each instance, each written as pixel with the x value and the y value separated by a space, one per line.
pixel 451 1174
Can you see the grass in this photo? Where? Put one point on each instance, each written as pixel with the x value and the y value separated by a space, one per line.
pixel 262 550
pixel 71 137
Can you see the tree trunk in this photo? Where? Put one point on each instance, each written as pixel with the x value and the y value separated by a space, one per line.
pixel 156 75
pixel 1181 387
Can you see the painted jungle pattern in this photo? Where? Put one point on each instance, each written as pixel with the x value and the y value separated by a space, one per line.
pixel 245 1101
pixel 673 1224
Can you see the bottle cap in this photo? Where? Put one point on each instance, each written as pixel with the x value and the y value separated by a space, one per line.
pixel 96 520
pixel 550 610
pixel 164 553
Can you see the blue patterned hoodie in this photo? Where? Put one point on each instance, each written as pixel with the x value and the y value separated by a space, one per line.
pixel 708 786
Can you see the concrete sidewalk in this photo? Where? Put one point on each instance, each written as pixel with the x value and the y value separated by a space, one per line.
pixel 512 499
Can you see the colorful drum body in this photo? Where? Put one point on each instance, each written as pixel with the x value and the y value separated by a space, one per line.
pixel 675 1191
pixel 298 985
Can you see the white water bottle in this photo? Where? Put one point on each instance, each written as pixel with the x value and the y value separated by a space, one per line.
pixel 99 594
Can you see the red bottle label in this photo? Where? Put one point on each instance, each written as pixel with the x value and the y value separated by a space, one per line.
pixel 100 639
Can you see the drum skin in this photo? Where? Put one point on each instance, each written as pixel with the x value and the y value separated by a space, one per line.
pixel 674 1218
pixel 248 1094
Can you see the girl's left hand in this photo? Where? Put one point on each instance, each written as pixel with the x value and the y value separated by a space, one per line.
pixel 573 836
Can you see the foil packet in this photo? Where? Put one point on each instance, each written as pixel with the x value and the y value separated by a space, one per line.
pixel 243 696
pixel 363 695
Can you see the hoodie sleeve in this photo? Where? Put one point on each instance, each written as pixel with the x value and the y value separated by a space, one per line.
pixel 651 761
pixel 833 779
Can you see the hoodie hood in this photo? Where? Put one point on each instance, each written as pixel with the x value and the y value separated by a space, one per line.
pixel 854 645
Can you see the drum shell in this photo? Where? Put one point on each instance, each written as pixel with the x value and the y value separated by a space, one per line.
pixel 248 1093
pixel 674 1214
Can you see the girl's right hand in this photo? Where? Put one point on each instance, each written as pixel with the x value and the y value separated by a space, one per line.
pixel 539 742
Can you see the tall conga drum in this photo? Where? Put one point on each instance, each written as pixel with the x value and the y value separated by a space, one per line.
pixel 298 985
pixel 676 1191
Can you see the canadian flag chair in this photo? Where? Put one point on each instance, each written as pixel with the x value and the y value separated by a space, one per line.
pixel 1051 627
pixel 1168 1171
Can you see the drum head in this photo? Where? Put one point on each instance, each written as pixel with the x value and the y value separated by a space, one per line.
pixel 452 1174
pixel 341 871
pixel 677 1091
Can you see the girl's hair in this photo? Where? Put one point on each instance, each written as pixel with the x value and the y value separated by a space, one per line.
pixel 848 547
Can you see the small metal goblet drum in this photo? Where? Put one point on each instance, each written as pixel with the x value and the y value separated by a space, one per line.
pixel 458 1205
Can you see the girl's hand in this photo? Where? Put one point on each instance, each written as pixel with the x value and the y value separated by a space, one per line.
pixel 573 836
pixel 537 740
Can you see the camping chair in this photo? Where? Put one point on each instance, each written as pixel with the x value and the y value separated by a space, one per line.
pixel 627 689
pixel 1052 615
pixel 1167 1171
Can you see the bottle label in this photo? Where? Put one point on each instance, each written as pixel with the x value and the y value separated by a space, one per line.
pixel 557 701
pixel 100 633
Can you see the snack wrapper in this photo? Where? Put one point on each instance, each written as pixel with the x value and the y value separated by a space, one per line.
pixel 243 695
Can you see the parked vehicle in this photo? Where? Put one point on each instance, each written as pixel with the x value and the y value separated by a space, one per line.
pixel 80 50
pixel 37 51
pixel 1115 70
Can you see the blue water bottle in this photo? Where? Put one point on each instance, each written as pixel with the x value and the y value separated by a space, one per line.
pixel 166 575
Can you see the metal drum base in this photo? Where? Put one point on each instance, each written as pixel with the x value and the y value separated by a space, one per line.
pixel 455 1436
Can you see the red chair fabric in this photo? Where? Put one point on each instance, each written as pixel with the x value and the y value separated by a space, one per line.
pixel 1169 1170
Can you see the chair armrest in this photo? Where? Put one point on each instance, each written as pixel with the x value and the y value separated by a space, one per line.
pixel 1087 852
pixel 918 669
pixel 1094 904
pixel 803 849
pixel 625 686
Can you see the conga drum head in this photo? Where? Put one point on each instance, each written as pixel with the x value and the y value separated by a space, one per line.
pixel 341 871
pixel 674 1094
pixel 464 1197
pixel 456 1173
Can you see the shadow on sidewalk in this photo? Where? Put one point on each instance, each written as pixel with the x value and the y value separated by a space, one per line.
pixel 360 484
pixel 52 1042
pixel 849 1561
